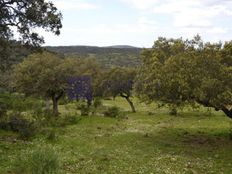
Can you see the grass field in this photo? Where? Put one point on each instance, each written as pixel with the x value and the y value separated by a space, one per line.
pixel 149 142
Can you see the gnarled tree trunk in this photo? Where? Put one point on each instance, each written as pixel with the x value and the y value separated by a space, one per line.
pixel 127 97
pixel 131 104
pixel 225 109
pixel 55 99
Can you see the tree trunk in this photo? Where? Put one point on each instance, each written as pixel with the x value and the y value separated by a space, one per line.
pixel 131 104
pixel 127 97
pixel 55 99
pixel 227 111
pixel 47 104
pixel 55 106
pixel 89 102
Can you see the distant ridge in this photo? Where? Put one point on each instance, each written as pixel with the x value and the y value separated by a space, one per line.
pixel 116 55
pixel 121 46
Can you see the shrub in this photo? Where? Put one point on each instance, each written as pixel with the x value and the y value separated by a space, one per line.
pixel 63 120
pixel 97 102
pixel 4 104
pixel 112 112
pixel 173 111
pixel 71 119
pixel 25 128
pixel 82 106
pixel 3 109
pixel 39 161
pixel 84 110
pixel 122 115
pixel 64 100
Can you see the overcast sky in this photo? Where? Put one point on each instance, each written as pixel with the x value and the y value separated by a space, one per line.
pixel 140 22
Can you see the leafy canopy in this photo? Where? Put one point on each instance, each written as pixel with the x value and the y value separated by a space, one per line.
pixel 25 17
pixel 175 71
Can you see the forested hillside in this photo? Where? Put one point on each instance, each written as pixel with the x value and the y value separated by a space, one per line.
pixel 108 56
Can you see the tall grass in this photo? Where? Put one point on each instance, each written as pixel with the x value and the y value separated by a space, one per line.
pixel 43 160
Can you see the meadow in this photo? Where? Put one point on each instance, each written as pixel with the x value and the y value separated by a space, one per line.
pixel 150 141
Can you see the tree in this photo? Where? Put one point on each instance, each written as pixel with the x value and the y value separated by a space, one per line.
pixel 118 82
pixel 176 72
pixel 25 17
pixel 43 74
pixel 87 71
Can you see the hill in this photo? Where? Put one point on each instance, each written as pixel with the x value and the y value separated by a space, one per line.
pixel 121 46
pixel 118 55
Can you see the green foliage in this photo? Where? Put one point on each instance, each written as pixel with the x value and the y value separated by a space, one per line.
pixel 51 134
pixel 39 74
pixel 173 111
pixel 64 120
pixel 21 18
pixel 43 160
pixel 18 103
pixel 25 128
pixel 177 72
pixel 113 111
pixel 117 82
pixel 25 16
pixel 44 75
pixel 71 119
pixel 11 53
pixel 84 110
pixel 97 102
pixel 148 144
pixel 106 56
pixel 4 104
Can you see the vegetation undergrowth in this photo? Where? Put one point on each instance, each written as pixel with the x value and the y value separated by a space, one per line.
pixel 191 142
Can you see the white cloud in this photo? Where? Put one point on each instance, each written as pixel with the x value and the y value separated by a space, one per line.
pixel 218 30
pixel 74 5
pixel 140 4
pixel 105 34
pixel 168 18
pixel 186 13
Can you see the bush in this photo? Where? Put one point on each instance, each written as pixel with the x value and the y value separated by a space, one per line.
pixel 173 111
pixel 82 106
pixel 4 104
pixel 97 102
pixel 63 120
pixel 64 100
pixel 39 161
pixel 25 128
pixel 112 112
pixel 71 119
pixel 84 109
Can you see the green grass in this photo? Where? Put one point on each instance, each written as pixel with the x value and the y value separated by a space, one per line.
pixel 149 141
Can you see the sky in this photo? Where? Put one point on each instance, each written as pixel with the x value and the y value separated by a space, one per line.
pixel 140 22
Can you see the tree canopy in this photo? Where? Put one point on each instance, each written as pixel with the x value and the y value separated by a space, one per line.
pixel 118 82
pixel 175 71
pixel 20 21
pixel 43 74
pixel 25 16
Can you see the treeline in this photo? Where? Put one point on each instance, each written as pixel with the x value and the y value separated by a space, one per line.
pixel 125 56
pixel 173 72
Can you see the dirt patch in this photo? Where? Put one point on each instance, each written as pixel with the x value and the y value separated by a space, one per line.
pixel 201 140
